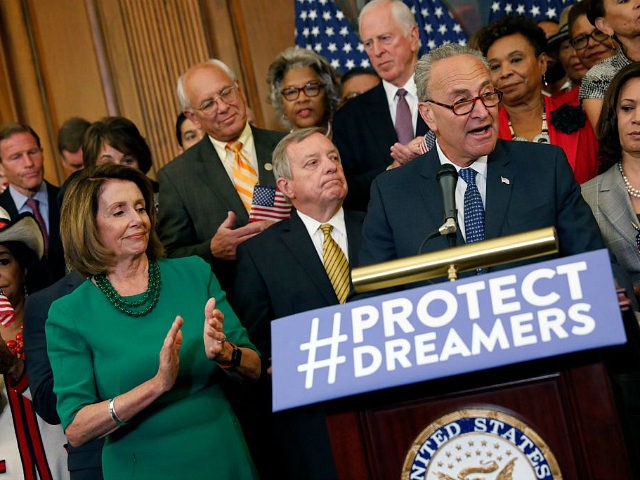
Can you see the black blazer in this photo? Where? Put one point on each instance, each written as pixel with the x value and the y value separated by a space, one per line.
pixel 85 462
pixel 364 133
pixel 53 267
pixel 196 194
pixel 529 186
pixel 279 273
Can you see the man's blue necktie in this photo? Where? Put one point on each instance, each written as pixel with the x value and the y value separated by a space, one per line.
pixel 473 208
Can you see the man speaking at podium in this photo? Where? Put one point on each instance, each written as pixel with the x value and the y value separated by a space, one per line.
pixel 504 187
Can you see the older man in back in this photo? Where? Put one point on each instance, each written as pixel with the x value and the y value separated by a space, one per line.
pixel 206 192
pixel 372 130
pixel 28 192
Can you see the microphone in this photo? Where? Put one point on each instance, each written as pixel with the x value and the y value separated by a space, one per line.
pixel 447 178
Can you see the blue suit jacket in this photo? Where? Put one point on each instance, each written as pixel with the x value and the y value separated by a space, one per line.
pixel 85 462
pixel 364 133
pixel 529 186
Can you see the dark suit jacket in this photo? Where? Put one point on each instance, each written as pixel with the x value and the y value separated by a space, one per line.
pixel 529 186
pixel 196 194
pixel 280 273
pixel 364 133
pixel 53 267
pixel 85 462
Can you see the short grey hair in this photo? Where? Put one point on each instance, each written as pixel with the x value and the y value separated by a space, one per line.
pixel 280 160
pixel 401 13
pixel 296 57
pixel 424 65
pixel 182 97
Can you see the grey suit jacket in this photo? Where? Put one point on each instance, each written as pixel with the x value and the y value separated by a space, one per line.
pixel 611 205
pixel 196 194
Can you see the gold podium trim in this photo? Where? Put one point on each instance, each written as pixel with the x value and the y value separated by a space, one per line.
pixel 488 253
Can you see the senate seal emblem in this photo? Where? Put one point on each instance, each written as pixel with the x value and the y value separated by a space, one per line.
pixel 479 444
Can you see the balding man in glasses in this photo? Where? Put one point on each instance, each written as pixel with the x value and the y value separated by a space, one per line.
pixel 206 193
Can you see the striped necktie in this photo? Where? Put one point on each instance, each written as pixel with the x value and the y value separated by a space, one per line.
pixel 335 263
pixel 34 205
pixel 244 176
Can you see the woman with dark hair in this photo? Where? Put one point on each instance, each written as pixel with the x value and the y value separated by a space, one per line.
pixel 304 89
pixel 117 140
pixel 619 20
pixel 614 195
pixel 515 50
pixel 162 415
pixel 590 44
pixel 28 444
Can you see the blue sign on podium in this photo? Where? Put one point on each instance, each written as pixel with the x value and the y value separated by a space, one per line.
pixel 525 313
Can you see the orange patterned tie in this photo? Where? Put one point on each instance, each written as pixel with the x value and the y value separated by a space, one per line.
pixel 244 176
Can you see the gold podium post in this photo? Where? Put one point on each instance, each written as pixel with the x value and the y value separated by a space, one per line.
pixel 450 261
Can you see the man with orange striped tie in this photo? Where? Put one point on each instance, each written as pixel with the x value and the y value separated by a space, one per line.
pixel 298 264
pixel 206 192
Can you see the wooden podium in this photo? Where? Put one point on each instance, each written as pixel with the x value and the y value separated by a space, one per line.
pixel 574 402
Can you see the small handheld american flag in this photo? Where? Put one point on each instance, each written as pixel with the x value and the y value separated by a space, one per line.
pixel 7 313
pixel 269 204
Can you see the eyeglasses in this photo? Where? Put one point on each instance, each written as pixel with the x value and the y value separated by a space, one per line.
pixel 463 107
pixel 581 41
pixel 311 89
pixel 228 95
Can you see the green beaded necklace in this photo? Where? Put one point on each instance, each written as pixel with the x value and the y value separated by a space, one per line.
pixel 134 308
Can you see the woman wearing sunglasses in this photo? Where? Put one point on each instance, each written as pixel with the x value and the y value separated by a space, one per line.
pixel 614 195
pixel 304 89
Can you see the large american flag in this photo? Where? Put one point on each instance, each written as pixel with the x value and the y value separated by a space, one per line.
pixel 436 24
pixel 322 27
pixel 269 204
pixel 538 10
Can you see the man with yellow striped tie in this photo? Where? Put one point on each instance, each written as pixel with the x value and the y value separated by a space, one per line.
pixel 296 265
pixel 207 190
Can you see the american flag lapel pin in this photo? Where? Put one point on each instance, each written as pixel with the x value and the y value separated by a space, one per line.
pixel 505 180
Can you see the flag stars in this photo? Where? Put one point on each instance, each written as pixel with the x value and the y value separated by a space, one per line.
pixel 520 9
pixel 535 11
pixel 364 63
pixel 442 29
pixel 508 8
pixel 315 31
pixel 346 48
pixel 335 63
pixel 313 15
pixel 495 7
pixel 305 32
pixel 318 47
pixel 438 11
pixel 339 15
pixel 326 16
pixel 350 64
pixel 329 32
pixel 344 31
pixel 332 47
pixel 551 13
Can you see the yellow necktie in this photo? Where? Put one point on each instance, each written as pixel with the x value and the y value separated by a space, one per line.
pixel 244 176
pixel 335 263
